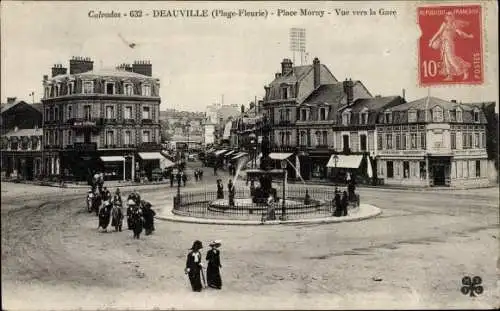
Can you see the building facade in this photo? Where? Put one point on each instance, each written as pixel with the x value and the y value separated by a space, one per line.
pixel 101 120
pixel 432 142
pixel 21 141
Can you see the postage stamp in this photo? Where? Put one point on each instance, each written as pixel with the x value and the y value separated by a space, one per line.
pixel 450 46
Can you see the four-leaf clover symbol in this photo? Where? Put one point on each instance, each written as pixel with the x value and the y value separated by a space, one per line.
pixel 472 286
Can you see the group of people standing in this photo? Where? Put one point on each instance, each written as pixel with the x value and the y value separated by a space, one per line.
pixel 231 190
pixel 194 266
pixel 181 177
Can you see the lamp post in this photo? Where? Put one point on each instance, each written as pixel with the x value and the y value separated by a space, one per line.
pixel 178 200
pixel 335 160
pixel 285 175
pixel 188 127
pixel 253 145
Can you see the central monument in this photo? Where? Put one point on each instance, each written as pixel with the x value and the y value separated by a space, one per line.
pixel 265 173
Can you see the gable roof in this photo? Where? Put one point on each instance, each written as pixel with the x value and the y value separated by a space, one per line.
pixel 326 93
pixel 375 103
pixel 421 104
pixel 6 107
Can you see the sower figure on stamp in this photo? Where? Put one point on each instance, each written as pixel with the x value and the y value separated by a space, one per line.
pixel 214 279
pixel 194 266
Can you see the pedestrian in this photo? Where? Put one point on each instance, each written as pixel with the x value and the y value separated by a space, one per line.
pixel 200 174
pixel 130 208
pixel 307 198
pixel 179 178
pixel 337 204
pixel 231 192
pixel 220 189
pixel 196 175
pixel 215 169
pixel 137 221
pixel 271 207
pixel 117 198
pixel 184 179
pixel 149 217
pixel 214 279
pixel 194 266
pixel 230 169
pixel 105 215
pixel 344 203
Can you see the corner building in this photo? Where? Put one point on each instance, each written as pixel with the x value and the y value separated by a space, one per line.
pixel 101 120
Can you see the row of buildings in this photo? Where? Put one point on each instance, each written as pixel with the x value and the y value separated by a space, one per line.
pixel 328 127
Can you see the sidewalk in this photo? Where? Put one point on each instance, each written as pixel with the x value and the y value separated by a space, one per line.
pixel 364 211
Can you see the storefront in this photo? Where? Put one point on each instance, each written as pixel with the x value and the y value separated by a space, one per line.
pixel 150 161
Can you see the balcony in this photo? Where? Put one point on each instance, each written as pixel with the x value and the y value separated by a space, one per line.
pixel 129 121
pixel 147 121
pixel 80 123
pixel 85 146
pixel 284 123
pixel 110 121
pixel 150 146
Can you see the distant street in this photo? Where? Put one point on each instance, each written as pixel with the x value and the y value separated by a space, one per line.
pixel 413 255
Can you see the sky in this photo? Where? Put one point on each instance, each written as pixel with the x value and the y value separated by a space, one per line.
pixel 200 59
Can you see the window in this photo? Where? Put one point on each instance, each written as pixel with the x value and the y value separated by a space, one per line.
pixel 288 138
pixel 56 137
pixel 127 113
pixel 70 112
pixel 46 92
pixel 322 114
pixel 346 118
pixel 478 168
pixel 469 143
pixel 476 115
pixel 379 142
pixel 110 112
pixel 459 115
pixel 70 137
pixel 398 141
pixel 282 134
pixel 303 113
pixel 146 136
pixel 303 141
pixel 388 117
pixel 362 142
pixel 422 170
pixel 453 115
pixel 412 116
pixel 88 87
pixel 390 169
pixel 325 138
pixel 70 88
pixel 110 88
pixel 284 93
pixel 363 118
pixel 453 140
pixel 287 114
pixel 57 90
pixel 145 113
pixel 403 141
pixel 110 138
pixel 422 140
pixel 127 138
pixel 483 140
pixel 56 113
pixel 437 114
pixel 87 112
pixel 406 169
pixel 129 89
pixel 476 140
pixel 281 115
pixel 464 140
pixel 413 140
pixel 345 142
pixel 146 90
pixel 388 142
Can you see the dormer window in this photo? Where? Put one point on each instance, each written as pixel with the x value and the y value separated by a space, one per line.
pixel 388 117
pixel 459 115
pixel 110 88
pixel 476 115
pixel 363 116
pixel 346 118
pixel 146 90
pixel 322 113
pixel 303 114
pixel 47 92
pixel 453 116
pixel 128 89
pixel 437 114
pixel 285 92
pixel 412 116
pixel 88 87
pixel 70 88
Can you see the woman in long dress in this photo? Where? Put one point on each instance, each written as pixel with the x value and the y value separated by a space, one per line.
pixel 214 279
pixel 444 40
pixel 194 266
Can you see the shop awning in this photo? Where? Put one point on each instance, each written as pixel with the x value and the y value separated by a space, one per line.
pixel 219 152
pixel 229 153
pixel 239 155
pixel 166 163
pixel 279 156
pixel 345 161
pixel 151 156
pixel 112 158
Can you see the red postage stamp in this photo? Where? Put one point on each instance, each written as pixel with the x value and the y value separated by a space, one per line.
pixel 450 46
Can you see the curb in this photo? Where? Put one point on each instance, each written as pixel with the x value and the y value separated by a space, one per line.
pixel 325 220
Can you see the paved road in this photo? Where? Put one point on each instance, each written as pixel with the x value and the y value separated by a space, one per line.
pixel 413 255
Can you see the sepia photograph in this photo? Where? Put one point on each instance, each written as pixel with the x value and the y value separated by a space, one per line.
pixel 250 155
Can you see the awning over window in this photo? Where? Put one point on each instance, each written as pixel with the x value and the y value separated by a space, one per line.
pixel 112 159
pixel 166 163
pixel 239 155
pixel 345 161
pixel 219 152
pixel 279 156
pixel 151 156
pixel 229 153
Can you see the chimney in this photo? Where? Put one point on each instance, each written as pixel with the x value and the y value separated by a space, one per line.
pixel 124 67
pixel 142 67
pixel 404 94
pixel 454 101
pixel 80 64
pixel 45 77
pixel 286 66
pixel 11 100
pixel 317 70
pixel 348 90
pixel 58 69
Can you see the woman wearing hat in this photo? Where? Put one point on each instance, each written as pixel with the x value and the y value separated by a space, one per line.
pixel 194 266
pixel 213 267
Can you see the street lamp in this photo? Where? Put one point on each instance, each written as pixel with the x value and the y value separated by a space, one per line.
pixel 285 175
pixel 178 197
pixel 335 160
pixel 188 126
pixel 253 145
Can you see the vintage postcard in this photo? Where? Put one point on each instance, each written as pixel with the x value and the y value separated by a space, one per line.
pixel 249 155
